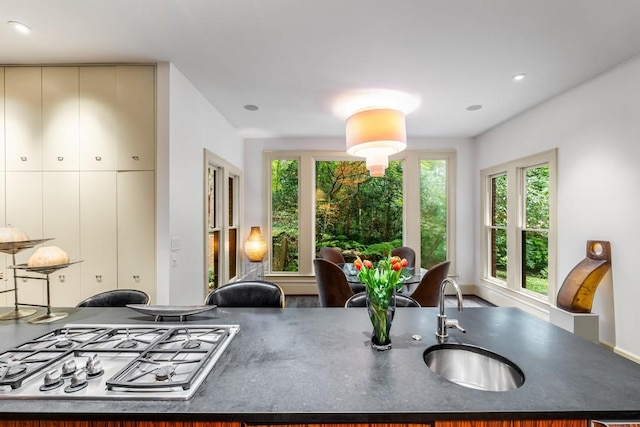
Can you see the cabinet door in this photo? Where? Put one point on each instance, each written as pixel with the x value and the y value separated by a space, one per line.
pixel 61 220
pixel 24 210
pixel 2 133
pixel 23 118
pixel 98 118
pixel 6 275
pixel 98 227
pixel 136 117
pixel 136 231
pixel 60 118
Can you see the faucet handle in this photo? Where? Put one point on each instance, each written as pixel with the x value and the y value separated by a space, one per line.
pixel 453 323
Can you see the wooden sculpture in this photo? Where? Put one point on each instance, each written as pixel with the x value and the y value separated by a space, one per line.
pixel 577 290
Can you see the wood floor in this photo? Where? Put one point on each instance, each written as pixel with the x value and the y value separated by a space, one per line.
pixel 450 301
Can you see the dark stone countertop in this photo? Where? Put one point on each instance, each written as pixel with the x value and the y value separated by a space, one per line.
pixel 311 365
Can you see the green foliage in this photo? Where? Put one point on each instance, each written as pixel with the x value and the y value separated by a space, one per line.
pixel 353 206
pixel 433 211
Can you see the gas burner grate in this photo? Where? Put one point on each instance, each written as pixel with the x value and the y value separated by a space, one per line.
pixel 64 338
pixel 18 365
pixel 126 339
pixel 173 361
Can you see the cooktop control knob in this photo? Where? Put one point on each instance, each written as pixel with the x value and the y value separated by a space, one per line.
pixel 94 367
pixel 52 379
pixel 69 367
pixel 78 381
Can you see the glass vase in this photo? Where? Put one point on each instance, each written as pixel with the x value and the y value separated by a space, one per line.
pixel 381 309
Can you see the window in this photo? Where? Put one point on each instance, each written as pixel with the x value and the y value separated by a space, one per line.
pixel 284 215
pixel 433 211
pixel 497 228
pixel 222 218
pixel 519 234
pixel 355 211
pixel 320 199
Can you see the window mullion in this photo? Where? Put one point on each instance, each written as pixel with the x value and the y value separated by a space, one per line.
pixel 513 227
pixel 307 215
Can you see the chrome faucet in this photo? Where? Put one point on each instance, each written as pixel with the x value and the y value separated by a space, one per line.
pixel 443 323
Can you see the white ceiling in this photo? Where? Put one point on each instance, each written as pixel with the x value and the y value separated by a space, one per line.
pixel 292 58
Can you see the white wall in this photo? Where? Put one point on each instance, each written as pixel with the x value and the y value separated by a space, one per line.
pixel 193 125
pixel 254 196
pixel 596 128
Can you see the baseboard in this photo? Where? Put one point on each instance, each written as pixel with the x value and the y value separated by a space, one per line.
pixel 626 354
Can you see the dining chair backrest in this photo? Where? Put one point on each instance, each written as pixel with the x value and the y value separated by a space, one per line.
pixel 332 254
pixel 360 300
pixel 407 253
pixel 116 298
pixel 253 293
pixel 333 288
pixel 428 290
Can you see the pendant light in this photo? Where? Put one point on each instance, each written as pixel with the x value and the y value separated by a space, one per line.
pixel 375 135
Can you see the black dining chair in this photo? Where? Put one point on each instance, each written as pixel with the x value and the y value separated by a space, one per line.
pixel 407 253
pixel 333 288
pixel 332 254
pixel 360 300
pixel 116 298
pixel 428 290
pixel 250 293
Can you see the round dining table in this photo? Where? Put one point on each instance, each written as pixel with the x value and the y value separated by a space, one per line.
pixel 409 284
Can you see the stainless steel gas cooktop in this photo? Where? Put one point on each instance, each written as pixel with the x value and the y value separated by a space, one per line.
pixel 114 362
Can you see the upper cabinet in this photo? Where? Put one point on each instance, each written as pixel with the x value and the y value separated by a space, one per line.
pixel 136 117
pixel 98 118
pixel 23 118
pixel 60 118
pixel 117 118
pixel 2 119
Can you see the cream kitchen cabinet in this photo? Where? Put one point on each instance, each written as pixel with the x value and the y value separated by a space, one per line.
pixel 5 282
pixel 98 118
pixel 136 117
pixel 23 118
pixel 98 228
pixel 24 210
pixel 2 119
pixel 136 231
pixel 117 117
pixel 60 117
pixel 61 221
pixel 6 276
pixel 79 161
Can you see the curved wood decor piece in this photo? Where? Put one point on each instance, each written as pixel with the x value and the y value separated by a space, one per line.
pixel 579 287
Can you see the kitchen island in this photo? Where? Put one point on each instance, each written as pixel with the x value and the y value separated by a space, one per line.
pixel 315 366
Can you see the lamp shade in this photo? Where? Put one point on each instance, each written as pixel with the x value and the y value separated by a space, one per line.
pixel 255 247
pixel 375 135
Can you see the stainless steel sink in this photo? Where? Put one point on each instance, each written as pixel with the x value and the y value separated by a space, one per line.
pixel 473 367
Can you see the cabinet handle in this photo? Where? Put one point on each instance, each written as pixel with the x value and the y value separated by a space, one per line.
pixel 136 277
pixel 136 158
pixel 60 158
pixel 23 158
pixel 98 277
pixel 61 278
pixel 98 158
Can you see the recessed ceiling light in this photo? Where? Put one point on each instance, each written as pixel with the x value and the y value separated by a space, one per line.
pixel 474 107
pixel 519 77
pixel 19 27
pixel 251 107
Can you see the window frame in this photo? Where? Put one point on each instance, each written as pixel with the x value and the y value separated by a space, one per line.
pixel 515 171
pixel 226 171
pixel 306 203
